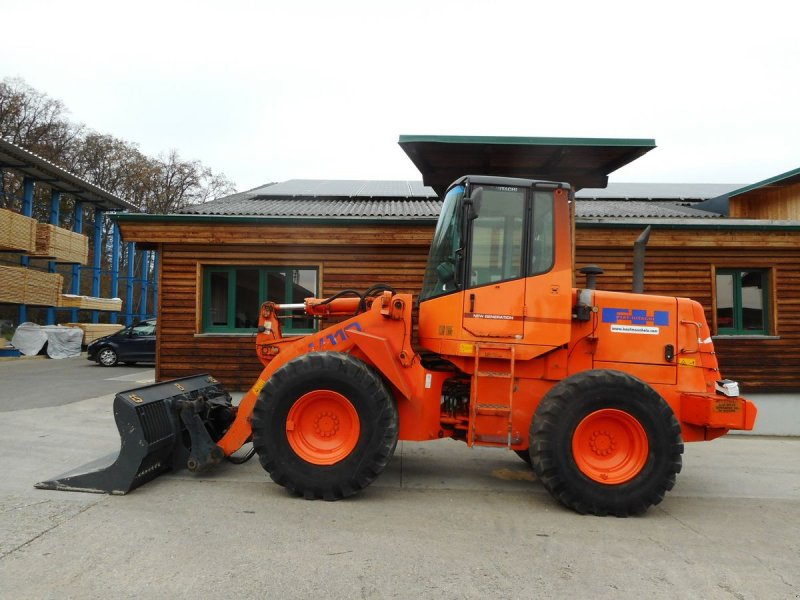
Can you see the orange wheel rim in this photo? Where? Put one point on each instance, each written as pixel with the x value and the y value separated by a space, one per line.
pixel 610 446
pixel 322 427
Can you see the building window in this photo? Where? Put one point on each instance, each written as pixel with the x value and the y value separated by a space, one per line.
pixel 232 296
pixel 742 302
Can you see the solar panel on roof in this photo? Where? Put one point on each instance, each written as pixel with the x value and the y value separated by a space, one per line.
pixel 348 188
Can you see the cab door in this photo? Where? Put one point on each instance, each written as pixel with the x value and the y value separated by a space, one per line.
pixel 494 298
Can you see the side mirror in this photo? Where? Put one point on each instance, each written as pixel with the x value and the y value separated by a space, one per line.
pixel 446 272
pixel 473 204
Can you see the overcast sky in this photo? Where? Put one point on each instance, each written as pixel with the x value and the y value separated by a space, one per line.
pixel 268 91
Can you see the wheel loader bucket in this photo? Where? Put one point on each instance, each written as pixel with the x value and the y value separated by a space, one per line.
pixel 169 425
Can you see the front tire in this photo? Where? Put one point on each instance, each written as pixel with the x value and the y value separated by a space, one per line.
pixel 325 425
pixel 605 442
pixel 107 357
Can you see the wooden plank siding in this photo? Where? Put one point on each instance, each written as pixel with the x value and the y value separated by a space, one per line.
pixel 346 258
pixel 679 263
pixel 683 263
pixel 779 202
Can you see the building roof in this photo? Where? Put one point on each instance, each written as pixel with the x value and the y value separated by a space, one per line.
pixel 784 179
pixel 649 200
pixel 40 169
pixel 638 209
pixel 690 192
pixel 581 162
pixel 362 199
pixel 345 199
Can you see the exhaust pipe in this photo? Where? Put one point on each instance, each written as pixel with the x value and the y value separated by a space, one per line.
pixel 639 248
pixel 164 426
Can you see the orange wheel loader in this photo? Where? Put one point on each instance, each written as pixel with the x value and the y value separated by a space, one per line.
pixel 597 391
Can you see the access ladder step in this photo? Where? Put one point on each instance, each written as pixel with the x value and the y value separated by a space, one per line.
pixel 495 374
pixel 497 410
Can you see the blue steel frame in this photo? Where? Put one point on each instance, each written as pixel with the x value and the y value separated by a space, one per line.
pixel 27 210
pixel 75 288
pixel 55 215
pixel 97 259
pixel 148 283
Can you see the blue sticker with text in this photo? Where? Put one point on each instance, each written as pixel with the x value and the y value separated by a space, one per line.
pixel 629 316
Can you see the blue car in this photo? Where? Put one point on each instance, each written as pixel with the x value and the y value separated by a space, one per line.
pixel 133 344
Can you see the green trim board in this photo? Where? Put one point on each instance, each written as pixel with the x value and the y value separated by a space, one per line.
pixel 699 224
pixel 529 141
pixel 742 301
pixel 709 224
pixel 231 302
pixel 782 178
pixel 260 220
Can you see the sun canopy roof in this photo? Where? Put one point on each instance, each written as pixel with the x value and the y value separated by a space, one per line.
pixel 582 162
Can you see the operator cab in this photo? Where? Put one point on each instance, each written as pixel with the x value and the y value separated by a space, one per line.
pixel 500 264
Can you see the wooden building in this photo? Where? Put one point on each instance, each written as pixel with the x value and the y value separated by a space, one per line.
pixel 301 238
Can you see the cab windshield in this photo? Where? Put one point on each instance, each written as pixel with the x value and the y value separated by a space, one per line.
pixel 446 250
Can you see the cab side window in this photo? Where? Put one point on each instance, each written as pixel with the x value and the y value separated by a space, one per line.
pixel 497 235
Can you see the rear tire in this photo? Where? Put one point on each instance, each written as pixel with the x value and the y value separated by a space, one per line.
pixel 325 426
pixel 605 442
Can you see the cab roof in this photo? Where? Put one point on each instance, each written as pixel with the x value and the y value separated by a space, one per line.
pixel 581 162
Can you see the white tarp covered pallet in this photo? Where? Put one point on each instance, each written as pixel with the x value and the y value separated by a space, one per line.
pixel 62 342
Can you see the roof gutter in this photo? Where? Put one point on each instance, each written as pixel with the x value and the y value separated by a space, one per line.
pixel 262 220
pixel 711 224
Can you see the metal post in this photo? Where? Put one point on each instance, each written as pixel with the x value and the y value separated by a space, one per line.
pixel 129 284
pixel 155 283
pixel 75 287
pixel 97 265
pixel 143 289
pixel 115 240
pixel 27 210
pixel 55 215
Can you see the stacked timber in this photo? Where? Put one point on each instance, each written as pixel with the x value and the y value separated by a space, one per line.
pixel 61 245
pixel 17 232
pixel 19 285
pixel 94 331
pixel 90 302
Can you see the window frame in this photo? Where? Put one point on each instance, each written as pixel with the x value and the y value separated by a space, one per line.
pixel 526 243
pixel 767 299
pixel 205 326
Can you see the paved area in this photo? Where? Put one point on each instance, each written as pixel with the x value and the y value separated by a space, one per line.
pixel 443 521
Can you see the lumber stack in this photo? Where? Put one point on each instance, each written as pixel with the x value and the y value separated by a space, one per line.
pixel 90 302
pixel 17 232
pixel 93 331
pixel 61 245
pixel 19 285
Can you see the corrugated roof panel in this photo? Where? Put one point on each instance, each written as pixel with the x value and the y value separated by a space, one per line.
pixel 390 199
pixel 662 191
pixel 320 207
pixel 637 209
pixel 40 169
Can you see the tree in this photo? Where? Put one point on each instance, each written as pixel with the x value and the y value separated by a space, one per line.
pixel 34 121
pixel 40 124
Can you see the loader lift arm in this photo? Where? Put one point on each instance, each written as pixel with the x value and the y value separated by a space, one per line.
pixel 370 332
